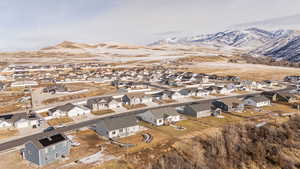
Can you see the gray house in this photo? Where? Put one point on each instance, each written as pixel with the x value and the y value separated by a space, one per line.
pixel 229 104
pixel 47 150
pixel 198 110
pixel 115 127
pixel 160 116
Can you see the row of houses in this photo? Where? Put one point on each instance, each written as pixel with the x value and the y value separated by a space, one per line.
pixel 45 150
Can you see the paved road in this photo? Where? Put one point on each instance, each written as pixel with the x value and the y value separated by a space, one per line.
pixel 18 142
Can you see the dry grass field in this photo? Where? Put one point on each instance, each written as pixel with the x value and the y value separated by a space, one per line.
pixel 96 92
pixel 245 71
pixel 6 133
pixel 59 121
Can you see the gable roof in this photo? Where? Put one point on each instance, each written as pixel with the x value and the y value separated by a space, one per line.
pixel 259 98
pixel 231 100
pixel 163 112
pixel 12 118
pixel 200 106
pixel 64 108
pixel 119 122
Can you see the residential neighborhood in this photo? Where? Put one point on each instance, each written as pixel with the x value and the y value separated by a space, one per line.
pixel 121 103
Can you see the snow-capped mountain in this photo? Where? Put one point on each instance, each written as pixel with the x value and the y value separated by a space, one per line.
pixel 290 51
pixel 248 39
pixel 279 44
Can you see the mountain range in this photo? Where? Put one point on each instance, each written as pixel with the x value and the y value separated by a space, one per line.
pixel 278 44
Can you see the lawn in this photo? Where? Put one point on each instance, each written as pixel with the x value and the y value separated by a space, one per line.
pixel 59 121
pixel 102 112
pixel 136 106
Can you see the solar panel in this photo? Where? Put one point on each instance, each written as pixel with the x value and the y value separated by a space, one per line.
pixel 51 140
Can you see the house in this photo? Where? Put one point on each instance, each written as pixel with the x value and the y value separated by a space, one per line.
pixel 19 120
pixel 46 150
pixel 68 110
pixel 57 88
pixel 257 101
pixel 280 96
pixel 116 127
pixel 231 104
pixel 193 92
pixel 2 86
pixel 24 83
pixel 102 103
pixel 160 116
pixel 136 98
pixel 216 90
pixel 197 110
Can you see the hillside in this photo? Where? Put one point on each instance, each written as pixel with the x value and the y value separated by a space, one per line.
pixel 237 146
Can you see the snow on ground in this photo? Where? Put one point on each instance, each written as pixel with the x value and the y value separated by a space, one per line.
pixel 99 158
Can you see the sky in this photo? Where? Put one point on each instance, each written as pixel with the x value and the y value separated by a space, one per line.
pixel 33 24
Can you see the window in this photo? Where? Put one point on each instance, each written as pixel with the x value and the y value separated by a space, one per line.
pixel 121 130
pixel 113 132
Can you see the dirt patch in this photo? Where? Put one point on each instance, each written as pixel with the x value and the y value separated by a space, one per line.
pixel 244 71
pixel 59 121
pixel 6 133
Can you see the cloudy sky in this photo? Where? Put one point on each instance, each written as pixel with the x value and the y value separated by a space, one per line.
pixel 31 24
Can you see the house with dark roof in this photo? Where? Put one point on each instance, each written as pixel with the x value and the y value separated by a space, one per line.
pixel 19 120
pixel 160 116
pixel 257 101
pixel 280 96
pixel 197 110
pixel 231 104
pixel 46 150
pixel 136 98
pixel 116 127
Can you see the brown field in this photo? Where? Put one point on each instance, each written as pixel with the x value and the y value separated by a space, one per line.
pixel 245 71
pixel 59 121
pixel 10 108
pixel 97 92
pixel 5 133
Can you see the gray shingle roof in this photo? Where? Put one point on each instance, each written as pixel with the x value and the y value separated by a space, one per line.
pixel 200 107
pixel 163 112
pixel 119 122
pixel 259 98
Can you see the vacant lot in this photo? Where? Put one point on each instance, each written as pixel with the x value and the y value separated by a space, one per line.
pixel 59 121
pixel 245 71
pixel 5 133
pixel 95 92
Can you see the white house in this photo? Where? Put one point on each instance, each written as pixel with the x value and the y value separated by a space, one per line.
pixel 78 111
pixel 19 120
pixel 68 110
pixel 257 101
pixel 24 83
pixel 4 124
